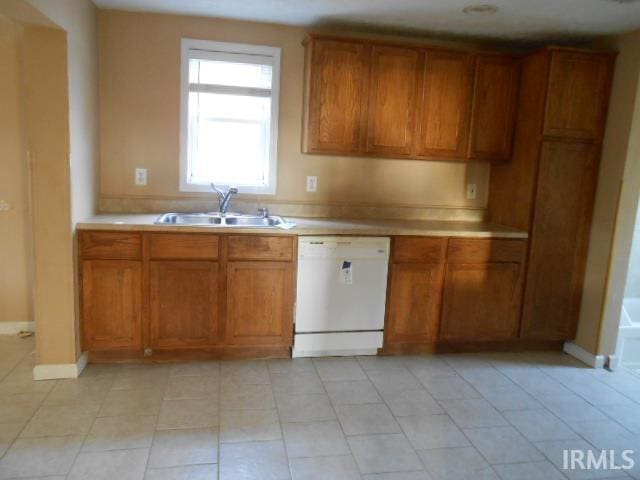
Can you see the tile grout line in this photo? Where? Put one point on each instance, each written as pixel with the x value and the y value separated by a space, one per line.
pixel 55 382
pixel 453 420
pixel 284 442
pixel 333 408
pixel 544 408
pixel 564 422
pixel 462 430
pixel 530 363
pixel 384 402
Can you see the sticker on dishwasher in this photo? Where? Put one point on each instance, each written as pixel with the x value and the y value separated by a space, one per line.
pixel 346 273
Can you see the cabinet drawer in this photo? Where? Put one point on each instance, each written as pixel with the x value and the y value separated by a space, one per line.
pixel 184 246
pixel 110 245
pixel 419 249
pixel 467 250
pixel 247 247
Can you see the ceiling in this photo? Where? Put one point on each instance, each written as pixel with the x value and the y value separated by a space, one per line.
pixel 532 20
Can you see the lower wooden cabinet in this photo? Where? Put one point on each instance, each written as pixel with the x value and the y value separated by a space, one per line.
pixel 413 305
pixel 183 307
pixel 112 304
pixel 259 303
pixel 233 295
pixel 568 174
pixel 215 295
pixel 481 302
pixel 453 291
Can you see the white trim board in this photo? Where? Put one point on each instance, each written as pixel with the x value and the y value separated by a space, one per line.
pixel 246 53
pixel 12 328
pixel 594 361
pixel 60 370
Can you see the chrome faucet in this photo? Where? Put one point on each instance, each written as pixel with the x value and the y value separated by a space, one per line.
pixel 224 197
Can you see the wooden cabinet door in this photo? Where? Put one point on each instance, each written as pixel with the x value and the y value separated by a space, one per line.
pixel 494 108
pixel 481 302
pixel 392 100
pixel 183 303
pixel 559 239
pixel 112 304
pixel 414 303
pixel 259 303
pixel 578 94
pixel 446 104
pixel 337 74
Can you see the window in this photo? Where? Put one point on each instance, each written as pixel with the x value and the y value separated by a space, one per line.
pixel 229 117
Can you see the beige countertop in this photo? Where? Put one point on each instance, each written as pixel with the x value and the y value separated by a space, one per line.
pixel 315 226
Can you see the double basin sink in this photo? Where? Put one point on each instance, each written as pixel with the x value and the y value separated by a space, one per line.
pixel 226 220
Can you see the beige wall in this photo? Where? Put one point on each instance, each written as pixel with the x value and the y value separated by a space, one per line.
pixel 78 19
pixel 139 122
pixel 60 112
pixel 626 217
pixel 15 246
pixel 615 153
pixel 632 288
pixel 47 119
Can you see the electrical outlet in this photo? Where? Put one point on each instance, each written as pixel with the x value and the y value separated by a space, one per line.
pixel 472 191
pixel 4 206
pixel 312 184
pixel 141 176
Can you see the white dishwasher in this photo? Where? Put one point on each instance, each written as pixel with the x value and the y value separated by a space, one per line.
pixel 341 294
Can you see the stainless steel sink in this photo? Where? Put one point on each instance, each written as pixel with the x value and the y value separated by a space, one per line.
pixel 229 220
pixel 254 221
pixel 189 219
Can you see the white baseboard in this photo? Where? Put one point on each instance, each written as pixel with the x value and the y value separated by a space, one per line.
pixel 60 370
pixel 613 362
pixel 12 328
pixel 594 361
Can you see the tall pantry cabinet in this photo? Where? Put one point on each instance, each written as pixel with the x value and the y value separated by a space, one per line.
pixel 548 188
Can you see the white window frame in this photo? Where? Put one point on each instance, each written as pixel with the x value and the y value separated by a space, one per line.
pixel 219 49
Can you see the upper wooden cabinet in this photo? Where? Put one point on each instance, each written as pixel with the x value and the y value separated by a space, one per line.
pixel 392 100
pixel 578 95
pixel 548 188
pixel 336 77
pixel 407 101
pixel 494 107
pixel 447 86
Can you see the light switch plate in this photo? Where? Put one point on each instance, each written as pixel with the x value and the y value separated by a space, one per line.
pixel 141 176
pixel 472 191
pixel 312 184
pixel 4 206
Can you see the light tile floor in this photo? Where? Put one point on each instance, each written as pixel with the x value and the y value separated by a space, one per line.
pixel 447 417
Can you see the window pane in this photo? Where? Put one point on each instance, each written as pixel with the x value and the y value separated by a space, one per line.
pixel 228 139
pixel 232 106
pixel 227 73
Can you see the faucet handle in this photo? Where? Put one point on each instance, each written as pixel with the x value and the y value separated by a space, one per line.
pixel 264 211
pixel 216 189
